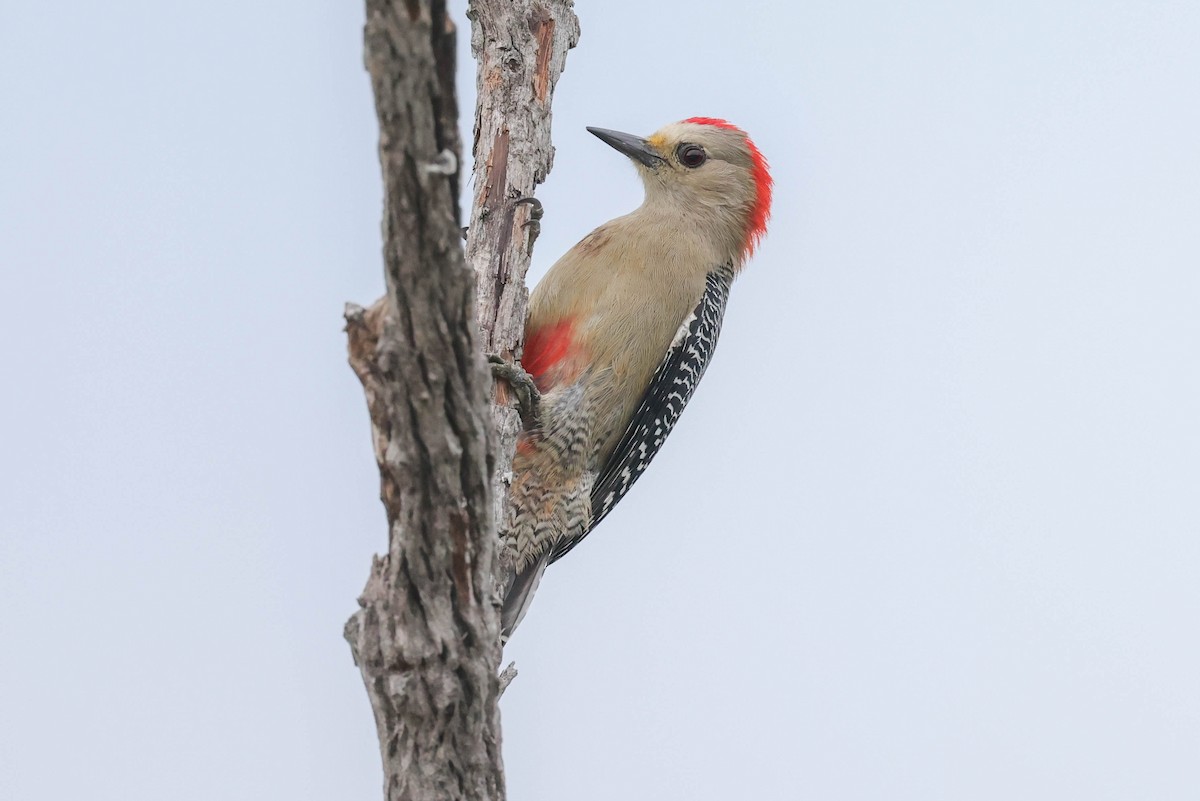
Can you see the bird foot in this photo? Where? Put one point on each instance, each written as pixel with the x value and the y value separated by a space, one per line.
pixel 536 211
pixel 528 397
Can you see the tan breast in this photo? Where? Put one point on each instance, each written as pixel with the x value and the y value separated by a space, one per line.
pixel 627 287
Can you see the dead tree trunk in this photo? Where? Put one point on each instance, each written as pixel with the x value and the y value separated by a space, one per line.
pixel 426 637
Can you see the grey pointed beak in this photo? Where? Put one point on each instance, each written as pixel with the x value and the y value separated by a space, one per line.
pixel 635 147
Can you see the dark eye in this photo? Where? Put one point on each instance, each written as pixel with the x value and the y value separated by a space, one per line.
pixel 691 155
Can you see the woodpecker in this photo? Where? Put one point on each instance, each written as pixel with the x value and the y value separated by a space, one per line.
pixel 619 333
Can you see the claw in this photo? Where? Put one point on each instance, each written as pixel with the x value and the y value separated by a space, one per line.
pixel 529 399
pixel 534 223
pixel 536 211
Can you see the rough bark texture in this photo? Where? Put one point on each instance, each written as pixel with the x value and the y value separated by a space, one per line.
pixel 520 47
pixel 426 637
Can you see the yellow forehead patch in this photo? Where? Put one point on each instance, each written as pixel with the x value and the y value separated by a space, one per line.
pixel 658 141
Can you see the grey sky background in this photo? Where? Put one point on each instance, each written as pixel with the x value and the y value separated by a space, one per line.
pixel 929 530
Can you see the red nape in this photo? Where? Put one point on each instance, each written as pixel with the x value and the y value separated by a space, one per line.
pixel 760 212
pixel 545 347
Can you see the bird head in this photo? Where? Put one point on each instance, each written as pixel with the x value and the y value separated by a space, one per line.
pixel 705 168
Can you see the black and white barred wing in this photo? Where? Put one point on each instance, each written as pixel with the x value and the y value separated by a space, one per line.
pixel 669 391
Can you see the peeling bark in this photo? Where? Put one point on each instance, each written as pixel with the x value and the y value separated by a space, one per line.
pixel 521 48
pixel 426 636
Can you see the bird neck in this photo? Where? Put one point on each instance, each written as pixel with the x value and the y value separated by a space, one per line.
pixel 717 228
